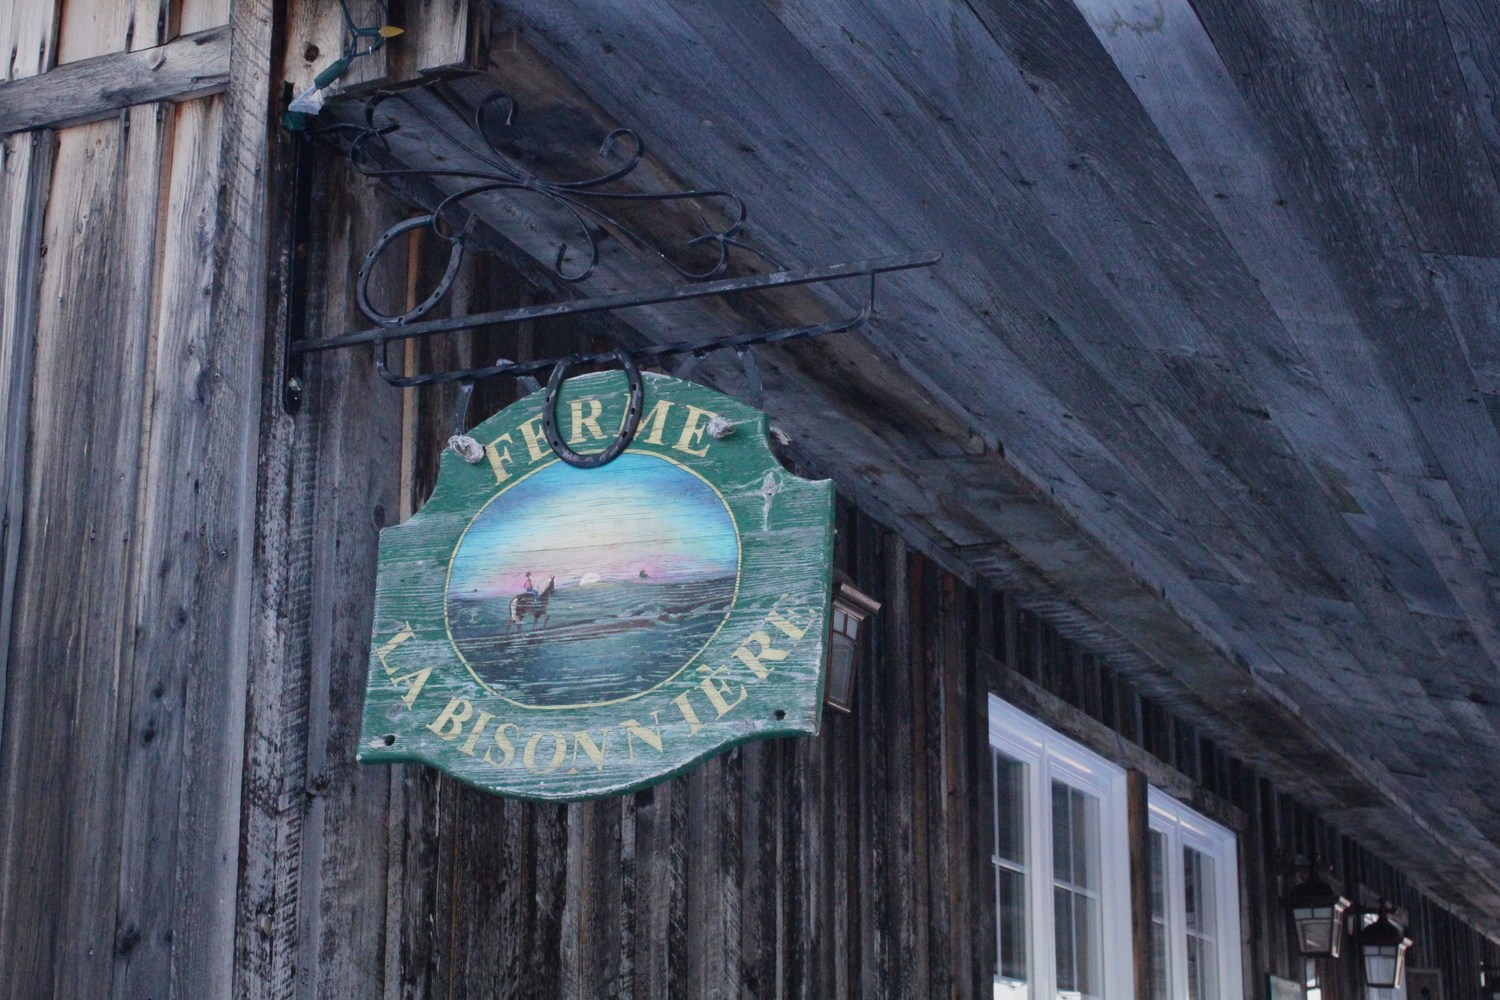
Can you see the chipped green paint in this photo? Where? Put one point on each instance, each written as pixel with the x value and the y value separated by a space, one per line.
pixel 557 633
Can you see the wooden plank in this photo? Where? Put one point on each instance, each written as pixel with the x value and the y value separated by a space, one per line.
pixel 908 936
pixel 72 675
pixel 192 805
pixel 1470 290
pixel 88 30
pixel 209 455
pixel 713 878
pixel 759 875
pixel 590 931
pixel 980 808
pixel 316 37
pixel 1358 207
pixel 188 68
pixel 661 957
pixel 325 491
pixel 437 35
pixel 194 16
pixel 1399 66
pixel 958 789
pixel 1474 32
pixel 155 692
pixel 874 812
pixel 28 33
pixel 25 170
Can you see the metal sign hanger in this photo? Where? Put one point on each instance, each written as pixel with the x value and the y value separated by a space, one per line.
pixel 490 169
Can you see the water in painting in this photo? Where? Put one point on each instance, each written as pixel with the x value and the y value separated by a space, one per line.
pixel 585 586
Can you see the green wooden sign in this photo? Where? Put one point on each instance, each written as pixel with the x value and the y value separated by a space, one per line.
pixel 557 633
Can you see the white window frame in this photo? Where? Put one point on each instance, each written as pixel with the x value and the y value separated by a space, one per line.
pixel 1185 827
pixel 1049 755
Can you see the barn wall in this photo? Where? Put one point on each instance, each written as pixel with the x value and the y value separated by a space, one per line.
pixel 852 864
pixel 130 342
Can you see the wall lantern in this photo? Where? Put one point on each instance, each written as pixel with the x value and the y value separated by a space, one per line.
pixel 1318 911
pixel 850 609
pixel 1382 946
pixel 1489 982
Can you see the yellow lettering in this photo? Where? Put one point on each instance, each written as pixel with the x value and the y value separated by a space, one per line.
pixel 452 719
pixel 474 731
pixel 580 421
pixel 392 643
pixel 692 431
pixel 536 441
pixel 793 632
pixel 634 728
pixel 688 713
pixel 414 681
pixel 559 751
pixel 715 689
pixel 506 746
pixel 752 660
pixel 583 741
pixel 499 458
pixel 657 419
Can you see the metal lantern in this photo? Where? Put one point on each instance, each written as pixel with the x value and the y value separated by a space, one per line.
pixel 1318 911
pixel 1382 947
pixel 1489 982
pixel 850 608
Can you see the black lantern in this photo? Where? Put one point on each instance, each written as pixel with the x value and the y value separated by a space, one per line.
pixel 1382 947
pixel 850 608
pixel 1318 911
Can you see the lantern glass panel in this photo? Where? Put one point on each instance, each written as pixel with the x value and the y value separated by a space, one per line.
pixel 840 692
pixel 1383 965
pixel 1318 930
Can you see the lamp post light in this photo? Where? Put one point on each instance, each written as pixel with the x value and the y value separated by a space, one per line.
pixel 1382 946
pixel 1317 910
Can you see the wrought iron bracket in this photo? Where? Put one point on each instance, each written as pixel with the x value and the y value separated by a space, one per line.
pixel 486 167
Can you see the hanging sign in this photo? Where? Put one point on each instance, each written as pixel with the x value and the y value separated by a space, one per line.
pixel 561 633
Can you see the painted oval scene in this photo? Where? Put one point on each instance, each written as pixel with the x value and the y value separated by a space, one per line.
pixel 586 586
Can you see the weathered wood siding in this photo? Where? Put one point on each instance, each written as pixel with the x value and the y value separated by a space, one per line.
pixel 1027 662
pixel 130 344
pixel 853 864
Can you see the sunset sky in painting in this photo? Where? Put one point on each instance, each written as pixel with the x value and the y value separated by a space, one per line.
pixel 638 513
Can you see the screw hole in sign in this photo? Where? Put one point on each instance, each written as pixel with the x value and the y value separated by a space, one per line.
pixel 390 739
pixel 780 714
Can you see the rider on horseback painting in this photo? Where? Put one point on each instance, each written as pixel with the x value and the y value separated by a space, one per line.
pixel 530 602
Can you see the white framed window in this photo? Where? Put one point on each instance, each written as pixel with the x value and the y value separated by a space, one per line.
pixel 1062 866
pixel 1195 905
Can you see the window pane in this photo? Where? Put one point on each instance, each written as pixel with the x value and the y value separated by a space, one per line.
pixel 1011 910
pixel 1010 809
pixel 1010 893
pixel 1157 877
pixel 1075 897
pixel 1198 893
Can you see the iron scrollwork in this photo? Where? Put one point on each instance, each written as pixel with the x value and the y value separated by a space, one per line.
pixel 594 204
pixel 581 199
